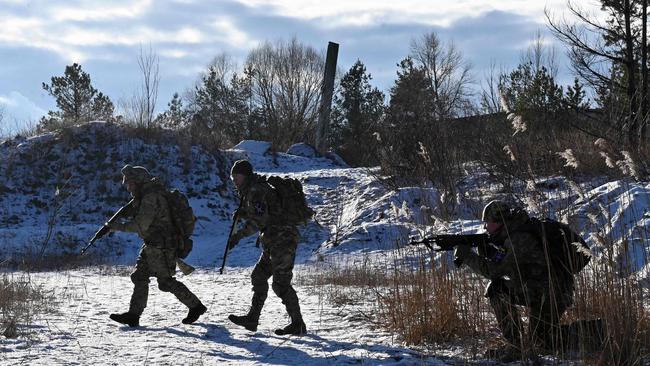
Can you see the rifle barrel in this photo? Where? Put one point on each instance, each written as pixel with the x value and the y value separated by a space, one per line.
pixel 232 228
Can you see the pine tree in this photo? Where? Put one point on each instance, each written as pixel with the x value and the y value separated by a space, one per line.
pixel 175 117
pixel 408 121
pixel 78 101
pixel 358 108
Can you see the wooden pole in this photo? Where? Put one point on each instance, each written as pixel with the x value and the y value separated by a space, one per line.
pixel 326 101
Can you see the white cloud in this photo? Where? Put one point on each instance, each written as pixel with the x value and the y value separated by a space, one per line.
pixel 228 32
pixel 173 53
pixel 19 109
pixel 100 10
pixel 432 12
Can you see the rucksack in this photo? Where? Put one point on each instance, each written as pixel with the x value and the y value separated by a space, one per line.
pixel 295 210
pixel 183 218
pixel 567 250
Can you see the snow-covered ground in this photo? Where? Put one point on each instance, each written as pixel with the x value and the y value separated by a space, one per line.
pixel 358 219
pixel 80 333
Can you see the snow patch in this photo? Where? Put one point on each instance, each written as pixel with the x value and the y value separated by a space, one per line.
pixel 253 146
pixel 303 149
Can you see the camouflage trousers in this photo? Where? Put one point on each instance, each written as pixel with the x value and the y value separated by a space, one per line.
pixel 277 260
pixel 545 308
pixel 159 263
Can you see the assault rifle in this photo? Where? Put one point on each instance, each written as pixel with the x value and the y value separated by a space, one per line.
pixel 446 242
pixel 232 230
pixel 105 229
pixel 184 267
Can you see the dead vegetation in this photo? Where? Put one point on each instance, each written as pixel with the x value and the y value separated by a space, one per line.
pixel 20 301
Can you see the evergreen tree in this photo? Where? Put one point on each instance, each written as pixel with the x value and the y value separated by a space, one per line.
pixel 102 108
pixel 408 121
pixel 223 107
pixel 528 89
pixel 78 101
pixel 175 117
pixel 611 56
pixel 358 108
pixel 575 97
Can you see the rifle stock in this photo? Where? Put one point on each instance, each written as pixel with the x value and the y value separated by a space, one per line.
pixel 232 229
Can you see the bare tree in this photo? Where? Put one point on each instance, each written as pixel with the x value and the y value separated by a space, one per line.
pixel 490 98
pixel 539 54
pixel 140 109
pixel 148 63
pixel 448 72
pixel 286 85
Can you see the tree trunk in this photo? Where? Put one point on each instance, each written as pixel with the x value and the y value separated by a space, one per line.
pixel 326 95
pixel 632 122
pixel 644 71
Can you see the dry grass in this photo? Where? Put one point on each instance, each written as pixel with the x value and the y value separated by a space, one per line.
pixel 434 305
pixel 619 302
pixel 422 304
pixel 20 300
pixel 430 304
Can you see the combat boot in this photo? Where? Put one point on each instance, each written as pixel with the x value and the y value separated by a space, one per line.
pixel 248 321
pixel 128 318
pixel 194 314
pixel 297 327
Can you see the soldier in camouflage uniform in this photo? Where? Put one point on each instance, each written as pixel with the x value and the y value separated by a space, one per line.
pixel 520 275
pixel 150 218
pixel 262 211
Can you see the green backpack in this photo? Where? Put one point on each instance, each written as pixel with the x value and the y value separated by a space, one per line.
pixel 292 199
pixel 568 251
pixel 183 219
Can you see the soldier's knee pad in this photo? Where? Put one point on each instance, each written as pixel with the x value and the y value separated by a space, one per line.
pixel 166 284
pixel 262 287
pixel 281 289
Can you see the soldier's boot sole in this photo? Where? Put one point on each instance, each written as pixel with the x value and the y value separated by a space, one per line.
pixel 194 314
pixel 244 321
pixel 295 328
pixel 129 319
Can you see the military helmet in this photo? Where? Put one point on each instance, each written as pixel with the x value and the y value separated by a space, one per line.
pixel 136 174
pixel 496 211
pixel 242 167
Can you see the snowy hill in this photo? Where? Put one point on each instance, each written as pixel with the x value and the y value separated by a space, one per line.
pixel 59 187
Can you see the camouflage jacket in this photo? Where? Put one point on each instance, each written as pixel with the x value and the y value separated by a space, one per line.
pixel 261 207
pixel 149 216
pixel 523 263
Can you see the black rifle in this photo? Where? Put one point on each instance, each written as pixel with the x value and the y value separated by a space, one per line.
pixel 445 242
pixel 232 229
pixel 105 229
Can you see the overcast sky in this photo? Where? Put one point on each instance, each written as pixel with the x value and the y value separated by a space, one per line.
pixel 39 38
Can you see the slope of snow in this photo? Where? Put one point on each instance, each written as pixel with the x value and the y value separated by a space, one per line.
pixel 74 178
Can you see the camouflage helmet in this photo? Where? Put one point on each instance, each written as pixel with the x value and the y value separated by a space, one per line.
pixel 496 211
pixel 136 174
pixel 242 167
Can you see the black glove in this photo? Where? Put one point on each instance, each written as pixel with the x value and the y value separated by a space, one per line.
pixel 460 253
